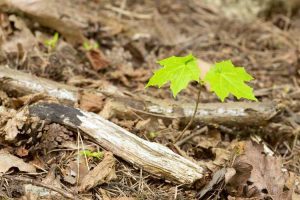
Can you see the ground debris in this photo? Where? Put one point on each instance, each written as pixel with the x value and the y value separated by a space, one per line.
pixel 110 77
pixel 9 161
pixel 49 14
pixel 102 173
pixel 258 174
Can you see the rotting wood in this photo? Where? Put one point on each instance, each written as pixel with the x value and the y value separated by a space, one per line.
pixel 151 157
pixel 123 104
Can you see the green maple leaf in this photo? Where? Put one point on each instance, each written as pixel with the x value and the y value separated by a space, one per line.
pixel 178 70
pixel 224 79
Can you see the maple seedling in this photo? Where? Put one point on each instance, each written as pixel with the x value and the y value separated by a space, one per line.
pixel 88 46
pixel 223 78
pixel 51 43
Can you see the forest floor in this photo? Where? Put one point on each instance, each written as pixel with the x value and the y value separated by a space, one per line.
pixel 116 44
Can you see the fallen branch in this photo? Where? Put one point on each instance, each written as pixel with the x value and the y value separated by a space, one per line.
pixel 123 104
pixel 151 157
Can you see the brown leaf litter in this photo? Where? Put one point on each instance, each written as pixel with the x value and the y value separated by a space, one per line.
pixel 21 36
pixel 13 125
pixel 253 174
pixel 258 174
pixel 9 161
pixel 49 14
pixel 97 59
pixel 91 102
pixel 102 173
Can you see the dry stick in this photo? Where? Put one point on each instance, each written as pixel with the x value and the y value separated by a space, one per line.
pixel 152 157
pixel 202 130
pixel 48 186
pixel 192 118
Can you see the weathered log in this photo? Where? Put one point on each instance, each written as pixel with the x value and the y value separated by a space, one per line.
pixel 151 157
pixel 237 113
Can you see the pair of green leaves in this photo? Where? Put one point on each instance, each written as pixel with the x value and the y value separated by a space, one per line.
pixel 223 78
pixel 88 46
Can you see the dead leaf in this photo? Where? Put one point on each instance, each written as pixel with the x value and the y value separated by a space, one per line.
pixel 211 140
pixel 258 175
pixel 51 178
pixel 22 36
pixel 13 125
pixel 102 173
pixel 150 125
pixel 243 173
pixel 5 115
pixel 222 156
pixel 109 109
pixel 8 161
pixel 97 59
pixel 91 102
pixel 58 15
pixel 216 183
pixel 76 171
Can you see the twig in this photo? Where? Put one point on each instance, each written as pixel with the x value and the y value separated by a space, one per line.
pixel 202 130
pixel 38 183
